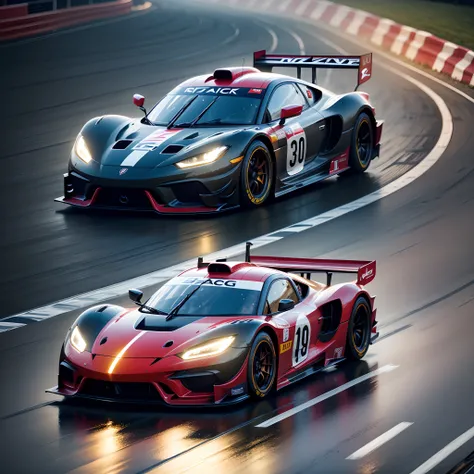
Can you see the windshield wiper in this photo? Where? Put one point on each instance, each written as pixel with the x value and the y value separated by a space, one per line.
pixel 190 124
pixel 150 310
pixel 175 310
pixel 180 112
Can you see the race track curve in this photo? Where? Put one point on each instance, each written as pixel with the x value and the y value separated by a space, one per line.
pixel 421 237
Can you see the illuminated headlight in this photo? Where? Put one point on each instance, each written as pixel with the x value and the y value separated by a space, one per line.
pixel 204 159
pixel 80 147
pixel 218 346
pixel 77 340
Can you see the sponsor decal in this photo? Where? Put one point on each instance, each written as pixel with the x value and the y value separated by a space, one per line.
pixel 340 163
pixel 367 273
pixel 315 61
pixel 155 139
pixel 286 334
pixel 212 90
pixel 255 91
pixel 218 282
pixel 239 390
pixel 364 73
pixel 286 346
pixel 338 352
pixel 123 171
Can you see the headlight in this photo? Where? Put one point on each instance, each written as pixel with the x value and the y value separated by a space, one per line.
pixel 77 340
pixel 80 147
pixel 204 159
pixel 218 346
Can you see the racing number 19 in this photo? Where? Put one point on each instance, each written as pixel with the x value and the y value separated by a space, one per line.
pixel 301 343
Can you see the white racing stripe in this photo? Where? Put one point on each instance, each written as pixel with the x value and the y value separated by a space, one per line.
pixel 441 455
pixel 133 158
pixel 147 280
pixel 325 396
pixel 379 441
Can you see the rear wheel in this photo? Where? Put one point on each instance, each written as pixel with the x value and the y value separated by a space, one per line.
pixel 262 366
pixel 362 146
pixel 358 332
pixel 256 179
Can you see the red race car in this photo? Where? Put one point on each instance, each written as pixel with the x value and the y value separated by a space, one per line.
pixel 221 332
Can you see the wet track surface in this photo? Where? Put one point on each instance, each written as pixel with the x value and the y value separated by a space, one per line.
pixel 421 237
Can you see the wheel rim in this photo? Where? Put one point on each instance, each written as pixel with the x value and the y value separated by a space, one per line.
pixel 263 366
pixel 258 175
pixel 364 143
pixel 360 329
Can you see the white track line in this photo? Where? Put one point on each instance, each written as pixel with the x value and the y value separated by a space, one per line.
pixel 325 396
pixel 379 441
pixel 445 452
pixel 96 296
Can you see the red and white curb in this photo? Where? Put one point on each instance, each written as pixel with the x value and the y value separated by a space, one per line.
pixel 415 45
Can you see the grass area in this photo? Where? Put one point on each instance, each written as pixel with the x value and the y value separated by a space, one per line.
pixel 448 21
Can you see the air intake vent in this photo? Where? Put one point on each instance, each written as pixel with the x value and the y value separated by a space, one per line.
pixel 192 136
pixel 172 149
pixel 223 74
pixel 219 268
pixel 121 144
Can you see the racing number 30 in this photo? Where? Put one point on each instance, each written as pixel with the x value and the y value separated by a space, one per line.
pixel 296 153
pixel 302 338
pixel 298 150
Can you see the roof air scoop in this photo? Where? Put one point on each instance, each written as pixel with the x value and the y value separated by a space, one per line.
pixel 218 267
pixel 232 73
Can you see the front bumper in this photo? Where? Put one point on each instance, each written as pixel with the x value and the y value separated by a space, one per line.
pixel 192 196
pixel 209 386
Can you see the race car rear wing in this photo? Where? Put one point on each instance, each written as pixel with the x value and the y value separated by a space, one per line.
pixel 365 269
pixel 266 62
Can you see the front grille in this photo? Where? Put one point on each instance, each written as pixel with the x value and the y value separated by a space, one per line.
pixel 189 192
pixel 123 198
pixel 120 390
pixel 202 382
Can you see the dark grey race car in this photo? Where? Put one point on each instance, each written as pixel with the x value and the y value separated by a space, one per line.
pixel 235 137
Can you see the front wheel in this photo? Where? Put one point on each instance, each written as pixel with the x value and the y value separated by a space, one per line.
pixel 358 331
pixel 256 179
pixel 362 145
pixel 262 366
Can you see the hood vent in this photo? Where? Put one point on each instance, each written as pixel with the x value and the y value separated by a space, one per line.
pixel 121 144
pixel 172 149
pixel 192 136
pixel 159 323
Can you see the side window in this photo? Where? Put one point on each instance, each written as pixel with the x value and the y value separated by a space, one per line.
pixel 312 95
pixel 279 290
pixel 286 94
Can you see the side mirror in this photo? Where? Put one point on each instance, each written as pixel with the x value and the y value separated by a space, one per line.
pixel 138 100
pixel 135 295
pixel 285 305
pixel 290 111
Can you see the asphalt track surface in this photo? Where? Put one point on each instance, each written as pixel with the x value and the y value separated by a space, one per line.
pixel 421 236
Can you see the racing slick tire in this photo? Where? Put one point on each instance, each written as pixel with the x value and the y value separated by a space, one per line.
pixel 256 177
pixel 362 144
pixel 358 331
pixel 262 366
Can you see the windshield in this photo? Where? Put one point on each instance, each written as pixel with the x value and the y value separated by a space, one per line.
pixel 216 297
pixel 207 106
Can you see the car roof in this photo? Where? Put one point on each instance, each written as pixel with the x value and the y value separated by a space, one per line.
pixel 232 271
pixel 241 77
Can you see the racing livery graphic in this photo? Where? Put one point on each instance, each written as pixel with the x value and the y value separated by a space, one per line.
pixel 221 332
pixel 236 137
